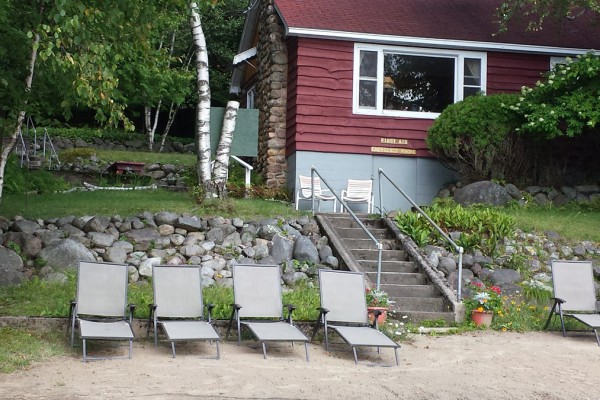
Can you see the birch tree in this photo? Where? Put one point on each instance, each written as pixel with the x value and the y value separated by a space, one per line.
pixel 9 146
pixel 221 167
pixel 203 105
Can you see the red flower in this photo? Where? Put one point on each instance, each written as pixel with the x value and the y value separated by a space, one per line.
pixel 495 289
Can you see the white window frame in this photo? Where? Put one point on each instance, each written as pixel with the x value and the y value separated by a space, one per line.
pixel 555 60
pixel 458 56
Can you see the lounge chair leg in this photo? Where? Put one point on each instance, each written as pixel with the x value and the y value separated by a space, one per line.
pixel 130 347
pixel 396 353
pixel 306 349
pixel 84 351
pixel 264 346
pixel 218 351
pixel 597 337
pixel 173 348
pixel 355 357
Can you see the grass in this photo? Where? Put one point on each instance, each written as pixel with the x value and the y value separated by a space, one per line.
pixel 22 347
pixel 573 223
pixel 129 203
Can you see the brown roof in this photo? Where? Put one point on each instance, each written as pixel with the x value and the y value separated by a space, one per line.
pixel 463 20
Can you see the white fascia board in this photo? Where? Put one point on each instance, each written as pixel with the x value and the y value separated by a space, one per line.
pixel 243 56
pixel 431 42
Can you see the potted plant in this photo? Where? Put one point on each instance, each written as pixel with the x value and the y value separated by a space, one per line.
pixel 484 302
pixel 378 303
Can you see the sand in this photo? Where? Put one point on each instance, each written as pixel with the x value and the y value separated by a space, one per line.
pixel 479 365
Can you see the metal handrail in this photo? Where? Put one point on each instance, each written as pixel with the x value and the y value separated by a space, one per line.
pixel 458 248
pixel 313 172
pixel 246 166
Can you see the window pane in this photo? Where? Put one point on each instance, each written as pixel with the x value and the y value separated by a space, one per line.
pixel 367 94
pixel 471 91
pixel 368 64
pixel 472 71
pixel 417 83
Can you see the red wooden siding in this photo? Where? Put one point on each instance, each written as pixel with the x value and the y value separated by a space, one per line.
pixel 508 72
pixel 319 103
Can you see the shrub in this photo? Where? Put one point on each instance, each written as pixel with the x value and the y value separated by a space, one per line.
pixel 72 154
pixel 566 104
pixel 18 180
pixel 476 137
pixel 480 228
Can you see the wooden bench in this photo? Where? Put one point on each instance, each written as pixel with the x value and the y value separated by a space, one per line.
pixel 130 167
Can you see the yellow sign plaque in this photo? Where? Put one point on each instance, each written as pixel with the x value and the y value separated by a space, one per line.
pixel 393 150
pixel 393 141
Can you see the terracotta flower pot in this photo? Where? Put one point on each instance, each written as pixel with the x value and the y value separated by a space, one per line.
pixel 482 318
pixel 381 318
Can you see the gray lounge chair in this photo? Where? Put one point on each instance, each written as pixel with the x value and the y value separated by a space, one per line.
pixel 258 305
pixel 574 294
pixel 100 307
pixel 344 310
pixel 178 307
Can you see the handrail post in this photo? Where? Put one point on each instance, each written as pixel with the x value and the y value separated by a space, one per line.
pixel 379 254
pixel 460 273
pixel 312 190
pixel 380 194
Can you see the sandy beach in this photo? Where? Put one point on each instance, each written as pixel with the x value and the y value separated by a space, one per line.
pixel 477 365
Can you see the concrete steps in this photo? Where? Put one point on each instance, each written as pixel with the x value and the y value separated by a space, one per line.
pixel 414 296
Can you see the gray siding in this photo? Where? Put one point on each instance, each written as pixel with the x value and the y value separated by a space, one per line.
pixel 419 178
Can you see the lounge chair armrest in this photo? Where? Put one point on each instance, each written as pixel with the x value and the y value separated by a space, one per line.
pixel 557 300
pixel 72 305
pixel 290 310
pixel 236 306
pixel 209 308
pixel 131 308
pixel 376 314
pixel 322 311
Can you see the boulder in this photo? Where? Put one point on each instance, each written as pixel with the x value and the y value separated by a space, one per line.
pixel 483 192
pixel 65 254
pixel 11 268
pixel 25 226
pixel 283 249
pixel 305 250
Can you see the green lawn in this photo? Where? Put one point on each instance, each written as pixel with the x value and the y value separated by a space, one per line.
pixel 129 203
pixel 572 224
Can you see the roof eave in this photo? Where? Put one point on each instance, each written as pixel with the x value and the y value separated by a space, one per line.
pixel 431 42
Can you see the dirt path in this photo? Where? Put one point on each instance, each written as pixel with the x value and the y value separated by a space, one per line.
pixel 481 365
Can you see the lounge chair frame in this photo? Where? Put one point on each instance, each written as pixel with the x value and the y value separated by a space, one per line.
pixel 258 305
pixel 100 310
pixel 574 294
pixel 344 310
pixel 178 306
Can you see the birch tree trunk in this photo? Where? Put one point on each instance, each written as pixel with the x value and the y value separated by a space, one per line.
pixel 147 123
pixel 221 167
pixel 172 111
pixel 203 105
pixel 6 150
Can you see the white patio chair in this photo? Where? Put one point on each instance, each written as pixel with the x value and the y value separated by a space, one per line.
pixel 344 310
pixel 575 294
pixel 178 306
pixel 358 191
pixel 100 307
pixel 258 305
pixel 304 192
